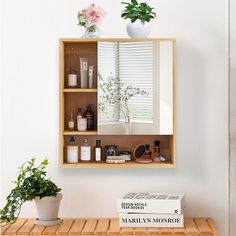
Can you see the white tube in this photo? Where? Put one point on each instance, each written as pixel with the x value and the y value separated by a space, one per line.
pixel 84 72
pixel 90 76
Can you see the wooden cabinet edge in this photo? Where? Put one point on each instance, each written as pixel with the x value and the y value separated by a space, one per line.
pixel 74 40
pixel 79 90
pixel 127 165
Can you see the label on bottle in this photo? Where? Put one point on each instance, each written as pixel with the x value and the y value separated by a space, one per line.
pixel 85 153
pixel 71 124
pixel 72 154
pixel 72 80
pixel 85 65
pixel 97 154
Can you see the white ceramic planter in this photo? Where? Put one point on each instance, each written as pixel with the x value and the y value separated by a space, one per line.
pixel 138 29
pixel 48 207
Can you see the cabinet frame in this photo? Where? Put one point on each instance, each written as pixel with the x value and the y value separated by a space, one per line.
pixel 63 90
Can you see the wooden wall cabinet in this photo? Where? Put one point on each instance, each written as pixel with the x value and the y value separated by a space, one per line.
pixel 71 50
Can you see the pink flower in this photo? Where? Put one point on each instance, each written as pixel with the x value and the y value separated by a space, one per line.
pixel 91 16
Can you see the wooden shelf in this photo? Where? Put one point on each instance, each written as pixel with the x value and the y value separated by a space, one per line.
pixel 71 50
pixel 79 90
pixel 130 164
pixel 104 226
pixel 71 133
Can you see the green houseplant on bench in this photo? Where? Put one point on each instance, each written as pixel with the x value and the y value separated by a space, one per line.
pixel 32 184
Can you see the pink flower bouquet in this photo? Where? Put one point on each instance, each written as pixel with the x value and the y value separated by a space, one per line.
pixel 91 16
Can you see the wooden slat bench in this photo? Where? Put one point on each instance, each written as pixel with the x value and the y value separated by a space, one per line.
pixel 25 227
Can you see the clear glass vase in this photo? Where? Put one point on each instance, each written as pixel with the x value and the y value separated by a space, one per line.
pixel 91 32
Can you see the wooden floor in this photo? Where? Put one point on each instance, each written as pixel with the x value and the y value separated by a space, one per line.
pixel 193 227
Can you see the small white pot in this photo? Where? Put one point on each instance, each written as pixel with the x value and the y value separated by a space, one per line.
pixel 48 207
pixel 138 29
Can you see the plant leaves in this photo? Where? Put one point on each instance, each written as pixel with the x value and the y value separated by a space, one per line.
pixel 134 2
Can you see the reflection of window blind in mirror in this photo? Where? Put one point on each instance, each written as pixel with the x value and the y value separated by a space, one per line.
pixel 135 61
pixel 107 65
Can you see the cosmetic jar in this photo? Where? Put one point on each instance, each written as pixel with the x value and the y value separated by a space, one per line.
pixel 82 124
pixel 111 150
pixel 126 155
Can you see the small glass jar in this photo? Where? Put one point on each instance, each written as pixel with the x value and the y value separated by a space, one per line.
pixel 126 155
pixel 111 150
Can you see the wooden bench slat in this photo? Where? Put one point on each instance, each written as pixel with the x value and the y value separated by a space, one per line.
pixel 50 229
pixel 38 229
pixel 179 231
pixel 213 227
pixel 102 226
pixel 126 230
pixel 154 230
pixel 190 226
pixel 166 230
pixel 15 227
pixel 140 230
pixel 202 225
pixel 77 226
pixel 4 228
pixel 114 226
pixel 90 226
pixel 65 226
pixel 27 227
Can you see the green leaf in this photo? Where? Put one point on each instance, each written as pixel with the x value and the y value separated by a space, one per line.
pixel 134 2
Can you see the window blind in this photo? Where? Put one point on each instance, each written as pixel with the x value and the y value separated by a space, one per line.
pixel 107 60
pixel 135 60
pixel 133 63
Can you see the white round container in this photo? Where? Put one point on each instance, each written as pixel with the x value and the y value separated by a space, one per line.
pixel 72 154
pixel 82 124
pixel 72 80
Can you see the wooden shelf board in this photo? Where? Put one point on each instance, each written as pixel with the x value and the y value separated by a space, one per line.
pixel 80 40
pixel 79 90
pixel 104 226
pixel 130 164
pixel 92 132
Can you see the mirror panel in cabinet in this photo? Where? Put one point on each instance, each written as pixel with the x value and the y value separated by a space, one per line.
pixel 135 88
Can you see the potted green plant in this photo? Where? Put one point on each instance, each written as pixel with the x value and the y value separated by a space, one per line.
pixel 140 15
pixel 32 184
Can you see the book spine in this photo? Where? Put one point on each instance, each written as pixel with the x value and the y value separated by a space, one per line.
pixel 151 220
pixel 149 206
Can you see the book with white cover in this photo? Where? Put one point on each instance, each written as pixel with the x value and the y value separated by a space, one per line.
pixel 151 220
pixel 151 203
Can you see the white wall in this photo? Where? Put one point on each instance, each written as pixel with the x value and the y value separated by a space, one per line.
pixel 30 105
pixel 233 117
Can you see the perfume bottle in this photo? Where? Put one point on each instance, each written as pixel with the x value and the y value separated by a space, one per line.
pixel 157 151
pixel 147 153
pixel 89 114
pixel 72 151
pixel 85 151
pixel 72 78
pixel 71 122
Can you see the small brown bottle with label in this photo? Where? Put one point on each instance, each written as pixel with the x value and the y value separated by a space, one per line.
pixel 71 122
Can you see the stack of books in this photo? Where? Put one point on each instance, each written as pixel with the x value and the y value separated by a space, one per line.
pixel 151 210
